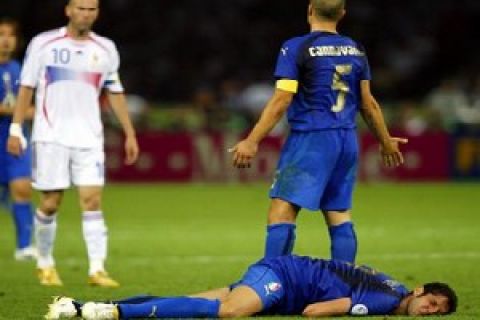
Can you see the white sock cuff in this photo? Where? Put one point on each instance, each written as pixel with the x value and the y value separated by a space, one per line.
pixel 43 218
pixel 92 216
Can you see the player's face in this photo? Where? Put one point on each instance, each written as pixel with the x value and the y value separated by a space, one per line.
pixel 82 14
pixel 8 39
pixel 428 304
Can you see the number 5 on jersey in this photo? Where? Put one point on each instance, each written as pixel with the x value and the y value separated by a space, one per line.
pixel 341 86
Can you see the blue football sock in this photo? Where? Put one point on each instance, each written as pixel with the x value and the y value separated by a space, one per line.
pixel 344 242
pixel 178 307
pixel 136 299
pixel 22 214
pixel 280 239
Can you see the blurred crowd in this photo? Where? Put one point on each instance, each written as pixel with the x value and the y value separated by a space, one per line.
pixel 196 65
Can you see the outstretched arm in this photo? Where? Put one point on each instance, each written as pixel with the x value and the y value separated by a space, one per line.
pixel 331 308
pixel 119 106
pixel 245 150
pixel 373 117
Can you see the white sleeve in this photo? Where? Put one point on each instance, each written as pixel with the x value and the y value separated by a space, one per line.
pixel 31 69
pixel 112 81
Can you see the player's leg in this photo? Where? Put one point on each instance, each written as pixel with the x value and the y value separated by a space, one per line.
pixel 220 293
pixel 95 235
pixel 21 193
pixel 45 222
pixel 304 169
pixel 342 235
pixel 19 177
pixel 337 200
pixel 88 175
pixel 281 228
pixel 50 176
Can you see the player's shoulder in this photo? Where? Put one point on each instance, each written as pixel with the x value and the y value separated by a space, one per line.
pixel 352 42
pixel 297 41
pixel 103 42
pixel 49 35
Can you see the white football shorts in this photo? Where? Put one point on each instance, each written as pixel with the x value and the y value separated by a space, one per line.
pixel 55 166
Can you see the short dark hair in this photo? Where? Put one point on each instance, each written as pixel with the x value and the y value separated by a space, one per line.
pixel 442 289
pixel 328 9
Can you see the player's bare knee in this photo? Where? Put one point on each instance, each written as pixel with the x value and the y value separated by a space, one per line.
pixel 282 212
pixel 22 194
pixel 90 203
pixel 230 310
pixel 50 202
pixel 49 206
pixel 335 218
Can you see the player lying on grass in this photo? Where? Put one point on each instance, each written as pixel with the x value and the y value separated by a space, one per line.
pixel 286 285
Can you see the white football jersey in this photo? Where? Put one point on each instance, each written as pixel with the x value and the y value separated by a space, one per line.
pixel 69 76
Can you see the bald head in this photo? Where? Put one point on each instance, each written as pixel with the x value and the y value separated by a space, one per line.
pixel 82 14
pixel 72 2
pixel 331 10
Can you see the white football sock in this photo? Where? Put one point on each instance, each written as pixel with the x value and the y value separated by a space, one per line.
pixel 45 231
pixel 95 236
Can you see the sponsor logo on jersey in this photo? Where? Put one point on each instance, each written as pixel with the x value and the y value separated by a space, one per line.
pixel 272 287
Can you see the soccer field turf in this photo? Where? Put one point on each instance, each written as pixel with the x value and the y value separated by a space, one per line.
pixel 178 239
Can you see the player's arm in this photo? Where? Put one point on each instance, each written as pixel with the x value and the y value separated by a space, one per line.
pixel 373 117
pixel 16 140
pixel 7 111
pixel 119 105
pixel 246 149
pixel 337 307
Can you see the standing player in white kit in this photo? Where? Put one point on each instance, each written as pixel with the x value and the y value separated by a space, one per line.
pixel 68 68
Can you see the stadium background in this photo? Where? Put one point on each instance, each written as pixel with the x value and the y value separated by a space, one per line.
pixel 202 71
pixel 197 74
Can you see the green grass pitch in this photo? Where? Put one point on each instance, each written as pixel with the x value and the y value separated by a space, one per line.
pixel 176 239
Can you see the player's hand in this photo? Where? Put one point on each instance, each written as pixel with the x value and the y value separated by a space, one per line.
pixel 243 153
pixel 391 155
pixel 16 141
pixel 131 150
pixel 14 146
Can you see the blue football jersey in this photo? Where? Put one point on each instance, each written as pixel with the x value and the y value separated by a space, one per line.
pixel 9 84
pixel 11 167
pixel 327 69
pixel 307 280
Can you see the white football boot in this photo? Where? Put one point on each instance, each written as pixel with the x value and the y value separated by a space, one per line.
pixel 25 254
pixel 61 308
pixel 100 311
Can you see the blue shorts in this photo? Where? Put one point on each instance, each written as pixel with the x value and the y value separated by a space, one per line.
pixel 13 168
pixel 265 283
pixel 317 169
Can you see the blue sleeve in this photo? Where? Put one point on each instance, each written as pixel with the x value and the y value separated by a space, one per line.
pixel 373 303
pixel 287 62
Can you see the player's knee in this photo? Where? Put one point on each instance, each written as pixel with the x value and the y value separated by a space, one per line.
pixel 282 212
pixel 90 203
pixel 230 310
pixel 281 217
pixel 49 206
pixel 22 194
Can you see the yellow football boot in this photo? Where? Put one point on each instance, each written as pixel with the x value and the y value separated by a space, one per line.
pixel 102 279
pixel 49 277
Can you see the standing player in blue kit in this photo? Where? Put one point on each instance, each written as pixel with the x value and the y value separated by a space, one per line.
pixel 323 79
pixel 15 172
